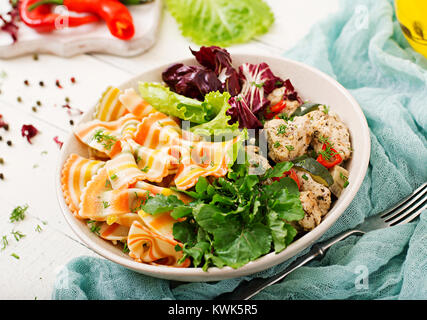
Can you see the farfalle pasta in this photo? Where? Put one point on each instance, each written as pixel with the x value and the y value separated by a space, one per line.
pixel 137 152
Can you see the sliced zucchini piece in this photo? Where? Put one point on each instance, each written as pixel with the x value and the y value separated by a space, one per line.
pixel 340 176
pixel 306 108
pixel 318 172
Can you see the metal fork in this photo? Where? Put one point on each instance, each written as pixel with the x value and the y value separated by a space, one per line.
pixel 403 212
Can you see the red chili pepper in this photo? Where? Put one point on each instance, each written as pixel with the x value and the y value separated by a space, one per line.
pixel 43 20
pixel 115 14
pixel 275 110
pixel 291 174
pixel 334 159
pixel 278 107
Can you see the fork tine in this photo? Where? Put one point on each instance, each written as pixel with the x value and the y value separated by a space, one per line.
pixel 406 203
pixel 411 216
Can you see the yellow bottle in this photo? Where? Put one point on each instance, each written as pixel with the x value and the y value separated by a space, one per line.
pixel 412 16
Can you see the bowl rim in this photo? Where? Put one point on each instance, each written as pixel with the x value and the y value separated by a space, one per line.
pixel 262 263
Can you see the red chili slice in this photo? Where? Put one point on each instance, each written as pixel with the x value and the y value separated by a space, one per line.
pixel 275 110
pixel 291 174
pixel 334 159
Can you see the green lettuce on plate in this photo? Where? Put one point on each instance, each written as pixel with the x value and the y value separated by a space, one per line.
pixel 221 22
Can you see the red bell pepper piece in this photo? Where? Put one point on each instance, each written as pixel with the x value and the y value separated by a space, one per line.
pixel 331 158
pixel 43 20
pixel 291 174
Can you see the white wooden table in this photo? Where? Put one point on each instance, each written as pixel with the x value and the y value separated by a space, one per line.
pixel 29 169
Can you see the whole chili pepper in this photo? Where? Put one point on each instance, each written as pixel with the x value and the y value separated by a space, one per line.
pixel 43 20
pixel 113 12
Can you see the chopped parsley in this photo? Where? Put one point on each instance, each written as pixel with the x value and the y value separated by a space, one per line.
pixel 326 109
pixel 106 140
pixel 38 228
pixel 105 204
pixel 125 248
pixel 290 148
pixel 113 177
pixel 345 179
pixel 18 213
pixel 18 235
pixel 328 152
pixel 15 256
pixel 145 169
pixel 4 242
pixel 108 183
pixel 285 117
pixel 94 226
pixel 258 85
pixel 281 129
pixel 304 176
pixel 276 144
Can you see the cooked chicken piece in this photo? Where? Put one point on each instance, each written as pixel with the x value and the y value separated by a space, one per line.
pixel 277 95
pixel 258 163
pixel 313 214
pixel 287 140
pixel 340 176
pixel 322 194
pixel 328 125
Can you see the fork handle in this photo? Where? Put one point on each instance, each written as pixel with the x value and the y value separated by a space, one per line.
pixel 247 289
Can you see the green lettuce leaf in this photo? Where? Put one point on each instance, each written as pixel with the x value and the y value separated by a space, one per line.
pixel 171 103
pixel 218 103
pixel 221 22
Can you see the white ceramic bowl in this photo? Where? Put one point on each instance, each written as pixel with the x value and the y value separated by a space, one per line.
pixel 312 85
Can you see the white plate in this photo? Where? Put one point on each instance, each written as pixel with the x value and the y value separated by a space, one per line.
pixel 312 85
pixel 93 37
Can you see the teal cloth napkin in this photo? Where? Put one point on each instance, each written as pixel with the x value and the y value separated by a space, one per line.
pixel 363 48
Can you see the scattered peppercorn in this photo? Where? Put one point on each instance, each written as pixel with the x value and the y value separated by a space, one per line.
pixel 72 122
pixel 41 83
pixel 26 82
pixel 58 84
pixel 1 161
pixel 67 99
pixel 35 56
pixel 1 176
pixel 34 109
pixel 19 99
pixel 9 143
pixel 39 103
pixel 1 138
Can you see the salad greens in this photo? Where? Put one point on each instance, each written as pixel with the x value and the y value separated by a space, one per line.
pixel 171 103
pixel 234 219
pixel 210 115
pixel 221 22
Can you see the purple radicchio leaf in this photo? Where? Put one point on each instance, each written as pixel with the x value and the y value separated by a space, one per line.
pixel 219 60
pixel 10 25
pixel 191 81
pixel 240 111
pixel 290 93
pixel 258 82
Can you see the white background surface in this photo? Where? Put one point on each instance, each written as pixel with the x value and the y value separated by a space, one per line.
pixel 30 172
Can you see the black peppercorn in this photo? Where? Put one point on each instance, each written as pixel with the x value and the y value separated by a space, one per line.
pixel 9 143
